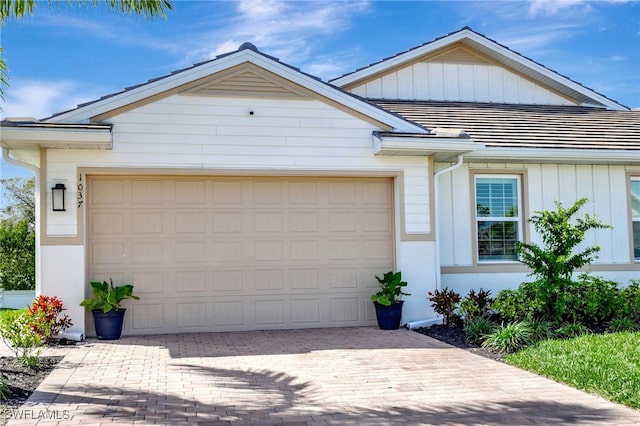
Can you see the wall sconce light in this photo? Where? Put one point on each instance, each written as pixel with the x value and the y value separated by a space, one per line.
pixel 57 197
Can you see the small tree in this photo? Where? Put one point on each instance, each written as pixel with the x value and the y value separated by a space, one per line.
pixel 20 201
pixel 554 262
pixel 17 255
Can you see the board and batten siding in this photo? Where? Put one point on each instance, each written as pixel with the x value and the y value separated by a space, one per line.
pixel 208 133
pixel 604 185
pixel 439 81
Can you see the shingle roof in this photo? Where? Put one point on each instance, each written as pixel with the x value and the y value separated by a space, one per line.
pixel 527 126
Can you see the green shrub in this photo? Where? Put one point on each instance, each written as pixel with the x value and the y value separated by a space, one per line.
pixel 476 330
pixel 17 331
pixel 445 302
pixel 17 255
pixel 618 325
pixel 554 263
pixel 476 305
pixel 46 313
pixel 592 300
pixel 571 330
pixel 517 305
pixel 630 296
pixel 542 330
pixel 511 337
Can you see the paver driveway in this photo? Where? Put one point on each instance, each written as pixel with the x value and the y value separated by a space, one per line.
pixel 320 376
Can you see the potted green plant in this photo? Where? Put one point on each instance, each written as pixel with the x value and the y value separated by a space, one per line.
pixel 108 315
pixel 387 300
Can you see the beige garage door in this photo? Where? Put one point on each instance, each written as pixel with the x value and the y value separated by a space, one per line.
pixel 240 253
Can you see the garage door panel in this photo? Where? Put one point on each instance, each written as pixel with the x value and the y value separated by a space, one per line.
pixel 148 222
pixel 269 279
pixel 375 250
pixel 236 253
pixel 268 193
pixel 146 252
pixel 190 281
pixel 147 193
pixel 344 309
pixel 228 222
pixel 108 193
pixel 229 280
pixel 191 314
pixel 190 193
pixel 229 314
pixel 146 316
pixel 227 193
pixel 190 222
pixel 149 282
pixel 305 311
pixel 269 312
pixel 304 278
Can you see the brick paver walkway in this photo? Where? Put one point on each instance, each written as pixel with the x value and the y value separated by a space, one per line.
pixel 306 377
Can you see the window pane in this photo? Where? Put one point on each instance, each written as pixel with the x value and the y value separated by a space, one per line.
pixel 497 197
pixel 497 240
pixel 636 239
pixel 635 198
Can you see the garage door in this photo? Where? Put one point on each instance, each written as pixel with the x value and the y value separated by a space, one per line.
pixel 241 253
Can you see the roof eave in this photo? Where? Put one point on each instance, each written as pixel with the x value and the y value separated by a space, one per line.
pixel 441 148
pixel 24 137
pixel 556 156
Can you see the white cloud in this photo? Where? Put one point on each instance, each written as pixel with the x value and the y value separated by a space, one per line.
pixel 40 98
pixel 552 7
pixel 287 30
pixel 539 36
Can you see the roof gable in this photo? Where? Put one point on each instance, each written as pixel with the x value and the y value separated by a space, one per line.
pixel 245 72
pixel 247 80
pixel 468 47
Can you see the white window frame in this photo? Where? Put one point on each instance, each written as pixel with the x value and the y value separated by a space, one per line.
pixel 517 219
pixel 634 219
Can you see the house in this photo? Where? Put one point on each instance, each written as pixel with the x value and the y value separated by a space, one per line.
pixel 244 194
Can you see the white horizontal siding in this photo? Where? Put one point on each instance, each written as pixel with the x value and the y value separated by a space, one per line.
pixel 604 186
pixel 189 132
pixel 458 82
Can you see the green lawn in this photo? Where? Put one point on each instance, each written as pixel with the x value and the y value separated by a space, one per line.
pixel 605 364
pixel 3 310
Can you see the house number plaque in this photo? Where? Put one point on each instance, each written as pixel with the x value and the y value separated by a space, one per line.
pixel 80 190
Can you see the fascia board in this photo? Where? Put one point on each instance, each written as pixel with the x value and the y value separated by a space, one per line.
pixel 426 146
pixel 54 138
pixel 220 64
pixel 569 156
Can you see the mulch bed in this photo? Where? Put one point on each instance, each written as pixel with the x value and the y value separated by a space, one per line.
pixel 455 337
pixel 22 381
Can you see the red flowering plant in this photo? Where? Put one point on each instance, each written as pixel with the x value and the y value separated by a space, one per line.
pixel 46 314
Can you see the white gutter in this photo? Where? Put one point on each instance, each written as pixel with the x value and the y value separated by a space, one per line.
pixel 10 160
pixel 36 172
pixel 436 191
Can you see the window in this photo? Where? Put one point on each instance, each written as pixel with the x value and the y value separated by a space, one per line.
pixel 635 216
pixel 498 221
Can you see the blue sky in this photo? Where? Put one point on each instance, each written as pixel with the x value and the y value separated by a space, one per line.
pixel 65 55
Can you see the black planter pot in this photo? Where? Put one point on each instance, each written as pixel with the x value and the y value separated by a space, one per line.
pixel 389 316
pixel 108 325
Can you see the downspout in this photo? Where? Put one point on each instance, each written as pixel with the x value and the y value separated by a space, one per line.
pixel 36 172
pixel 436 197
